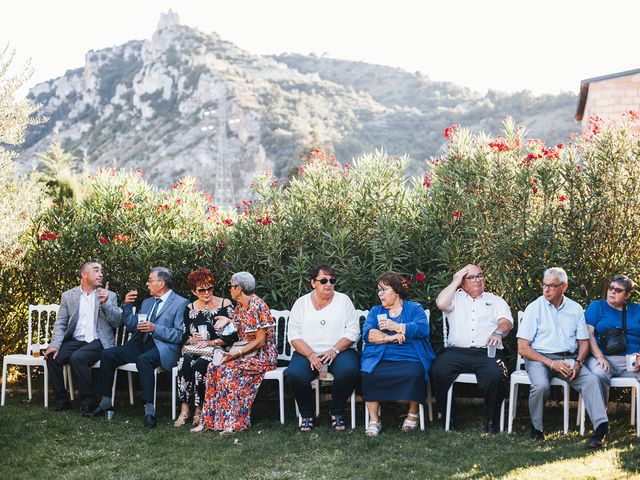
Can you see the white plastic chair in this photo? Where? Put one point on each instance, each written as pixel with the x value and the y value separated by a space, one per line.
pixel 617 382
pixel 40 324
pixel 120 339
pixel 461 378
pixel 520 377
pixel 315 384
pixel 421 409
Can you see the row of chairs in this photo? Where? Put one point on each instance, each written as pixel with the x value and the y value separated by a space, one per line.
pixel 41 319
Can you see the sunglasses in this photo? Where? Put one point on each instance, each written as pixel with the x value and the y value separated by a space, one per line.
pixel 324 281
pixel 204 289
pixel 611 288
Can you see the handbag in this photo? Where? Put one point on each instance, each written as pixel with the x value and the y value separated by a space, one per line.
pixel 614 340
pixel 194 351
pixel 239 346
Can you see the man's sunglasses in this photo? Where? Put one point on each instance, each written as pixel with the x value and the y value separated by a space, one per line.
pixel 324 281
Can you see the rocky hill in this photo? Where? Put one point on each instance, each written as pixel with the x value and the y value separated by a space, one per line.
pixel 186 102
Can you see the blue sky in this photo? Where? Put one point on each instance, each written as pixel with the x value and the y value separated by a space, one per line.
pixel 543 46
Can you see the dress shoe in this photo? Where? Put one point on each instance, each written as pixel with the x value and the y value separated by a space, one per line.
pixel 537 435
pixel 96 412
pixel 491 427
pixel 89 407
pixel 150 420
pixel 63 405
pixel 599 436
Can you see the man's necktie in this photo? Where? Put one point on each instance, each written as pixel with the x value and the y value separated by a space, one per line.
pixel 152 317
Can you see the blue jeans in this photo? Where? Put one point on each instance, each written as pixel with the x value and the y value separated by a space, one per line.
pixel 345 370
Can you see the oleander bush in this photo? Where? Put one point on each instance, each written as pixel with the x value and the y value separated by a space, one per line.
pixel 508 202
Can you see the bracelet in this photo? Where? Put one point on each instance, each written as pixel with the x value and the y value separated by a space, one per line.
pixel 599 357
pixel 499 333
pixel 580 362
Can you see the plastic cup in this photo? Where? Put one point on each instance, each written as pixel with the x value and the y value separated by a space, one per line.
pixel 35 350
pixel 570 361
pixel 632 362
pixel 218 357
pixel 142 317
pixel 324 370
pixel 109 415
pixel 202 330
pixel 491 351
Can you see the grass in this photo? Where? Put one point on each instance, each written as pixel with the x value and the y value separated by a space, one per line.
pixel 40 443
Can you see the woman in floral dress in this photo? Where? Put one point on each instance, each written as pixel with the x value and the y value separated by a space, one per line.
pixel 232 386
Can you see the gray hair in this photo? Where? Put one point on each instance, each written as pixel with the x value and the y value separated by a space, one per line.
pixel 625 281
pixel 245 281
pixel 164 274
pixel 557 272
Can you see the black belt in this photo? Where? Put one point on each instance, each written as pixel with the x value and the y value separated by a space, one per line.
pixel 563 354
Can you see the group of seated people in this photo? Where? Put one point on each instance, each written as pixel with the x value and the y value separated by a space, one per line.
pixel 224 347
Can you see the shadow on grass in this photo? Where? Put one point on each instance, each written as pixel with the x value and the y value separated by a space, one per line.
pixel 38 443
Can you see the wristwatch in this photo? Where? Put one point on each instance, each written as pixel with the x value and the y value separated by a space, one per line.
pixel 336 350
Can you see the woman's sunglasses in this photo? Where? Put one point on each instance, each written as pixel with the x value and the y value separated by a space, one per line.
pixel 324 281
pixel 204 289
pixel 611 288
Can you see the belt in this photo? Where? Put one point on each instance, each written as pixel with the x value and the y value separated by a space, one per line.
pixel 563 354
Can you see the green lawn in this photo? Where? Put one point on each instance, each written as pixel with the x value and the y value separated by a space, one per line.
pixel 40 443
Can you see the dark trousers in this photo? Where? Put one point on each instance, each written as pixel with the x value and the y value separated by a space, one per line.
pixel 345 370
pixel 144 354
pixel 490 372
pixel 81 356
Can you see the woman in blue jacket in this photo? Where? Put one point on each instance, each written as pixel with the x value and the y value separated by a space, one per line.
pixel 396 355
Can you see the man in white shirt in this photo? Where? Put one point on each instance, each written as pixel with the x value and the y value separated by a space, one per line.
pixel 477 320
pixel 323 330
pixel 85 324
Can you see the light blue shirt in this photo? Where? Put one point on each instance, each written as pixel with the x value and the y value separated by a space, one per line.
pixel 552 329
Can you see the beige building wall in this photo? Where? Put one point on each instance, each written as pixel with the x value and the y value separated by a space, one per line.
pixel 609 99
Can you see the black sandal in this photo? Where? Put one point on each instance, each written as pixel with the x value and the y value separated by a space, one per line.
pixel 306 425
pixel 337 422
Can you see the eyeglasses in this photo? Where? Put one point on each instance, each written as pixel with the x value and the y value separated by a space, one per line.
pixel 475 278
pixel 232 285
pixel 324 281
pixel 205 289
pixel 380 290
pixel 551 286
pixel 611 288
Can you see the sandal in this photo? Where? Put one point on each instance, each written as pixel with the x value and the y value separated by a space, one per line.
pixel 196 419
pixel 373 429
pixel 410 423
pixel 306 425
pixel 337 422
pixel 182 419
pixel 225 432
pixel 197 429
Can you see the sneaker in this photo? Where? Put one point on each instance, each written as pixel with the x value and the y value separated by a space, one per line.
pixel 537 435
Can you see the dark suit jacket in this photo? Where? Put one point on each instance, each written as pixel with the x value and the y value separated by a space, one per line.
pixel 107 317
pixel 169 326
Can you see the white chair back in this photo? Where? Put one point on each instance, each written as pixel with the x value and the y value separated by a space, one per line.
pixel 361 316
pixel 519 359
pixel 445 330
pixel 41 320
pixel 282 330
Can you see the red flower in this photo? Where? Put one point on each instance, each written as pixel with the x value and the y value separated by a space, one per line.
pixel 103 240
pixel 550 153
pixel 129 205
pixel 500 145
pixel 301 171
pixel 316 154
pixel 420 277
pixel 456 214
pixel 426 181
pixel 228 222
pixel 197 253
pixel 406 282
pixel 207 198
pixel 220 245
pixel 178 200
pixel 563 198
pixel 448 132
pixel 560 146
pixel 633 114
pixel 534 190
pixel 121 238
pixel 46 235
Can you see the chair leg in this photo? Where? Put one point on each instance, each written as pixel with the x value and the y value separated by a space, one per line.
pixel 70 381
pixel 4 383
pixel 579 404
pixel 581 414
pixel 566 409
pixel 46 386
pixel 502 408
pixel 317 399
pixel 353 410
pixel 281 395
pixel 29 382
pixel 130 378
pixel 447 421
pixel 298 413
pixel 637 409
pixel 174 375
pixel 366 415
pixel 421 407
pixel 634 399
pixel 429 402
pixel 513 399
pixel 113 388
pixel 155 387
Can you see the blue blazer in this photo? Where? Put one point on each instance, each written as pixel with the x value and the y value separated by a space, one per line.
pixel 169 326
pixel 417 333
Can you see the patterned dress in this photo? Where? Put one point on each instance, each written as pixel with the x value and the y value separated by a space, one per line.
pixel 192 370
pixel 232 387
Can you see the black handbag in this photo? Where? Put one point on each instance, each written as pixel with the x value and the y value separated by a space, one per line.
pixel 614 340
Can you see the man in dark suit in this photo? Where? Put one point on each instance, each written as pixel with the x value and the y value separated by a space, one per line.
pixel 155 342
pixel 84 327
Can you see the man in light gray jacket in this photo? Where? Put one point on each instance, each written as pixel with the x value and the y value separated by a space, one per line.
pixel 85 324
